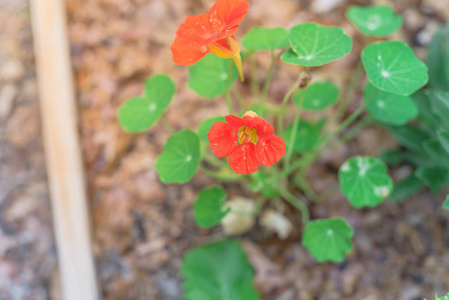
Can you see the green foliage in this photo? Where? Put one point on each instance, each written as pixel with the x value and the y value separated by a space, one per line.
pixel 438 59
pixel 316 45
pixel 389 108
pixel 307 136
pixel 328 239
pixel 262 38
pixel 218 271
pixel 266 185
pixel 392 67
pixel 446 203
pixel 364 180
pixel 374 20
pixel 209 76
pixel 406 188
pixel 180 159
pixel 441 298
pixel 208 207
pixel 206 125
pixel 443 137
pixel 318 95
pixel 439 101
pixel 139 114
pixel 433 176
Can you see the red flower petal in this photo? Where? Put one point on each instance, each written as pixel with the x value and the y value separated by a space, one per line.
pixel 269 151
pixel 222 139
pixel 264 129
pixel 234 121
pixel 192 40
pixel 243 159
pixel 225 15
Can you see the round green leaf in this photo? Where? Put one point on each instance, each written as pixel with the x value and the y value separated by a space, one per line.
pixel 318 95
pixel 307 136
pixel 218 271
pixel 261 38
pixel 316 45
pixel 446 203
pixel 206 125
pixel 328 239
pixel 180 157
pixel 392 67
pixel 209 76
pixel 141 113
pixel 364 180
pixel 389 108
pixel 208 207
pixel 374 20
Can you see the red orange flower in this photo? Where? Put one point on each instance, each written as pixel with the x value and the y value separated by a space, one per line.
pixel 248 141
pixel 211 33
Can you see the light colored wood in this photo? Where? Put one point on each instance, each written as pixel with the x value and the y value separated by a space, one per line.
pixel 61 141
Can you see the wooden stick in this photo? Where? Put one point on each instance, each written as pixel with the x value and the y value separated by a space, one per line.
pixel 64 163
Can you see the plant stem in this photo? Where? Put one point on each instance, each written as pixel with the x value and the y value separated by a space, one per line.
pixel 290 198
pixel 266 85
pixel 254 78
pixel 219 175
pixel 351 134
pixel 355 79
pixel 294 130
pixel 213 161
pixel 304 185
pixel 239 98
pixel 292 89
pixel 166 124
pixel 228 88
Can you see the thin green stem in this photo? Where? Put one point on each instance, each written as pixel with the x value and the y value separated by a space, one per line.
pixel 293 133
pixel 266 85
pixel 290 198
pixel 167 124
pixel 349 93
pixel 228 88
pixel 292 89
pixel 213 161
pixel 254 77
pixel 366 121
pixel 304 185
pixel 239 98
pixel 219 175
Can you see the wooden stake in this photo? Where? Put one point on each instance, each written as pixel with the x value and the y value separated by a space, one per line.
pixel 64 163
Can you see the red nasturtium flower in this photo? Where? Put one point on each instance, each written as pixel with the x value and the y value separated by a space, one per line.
pixel 211 33
pixel 248 141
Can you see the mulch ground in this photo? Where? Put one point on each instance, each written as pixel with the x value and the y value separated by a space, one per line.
pixel 142 227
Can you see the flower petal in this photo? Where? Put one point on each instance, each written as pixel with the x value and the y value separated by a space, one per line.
pixel 222 139
pixel 225 15
pixel 234 121
pixel 269 151
pixel 243 159
pixel 264 129
pixel 192 40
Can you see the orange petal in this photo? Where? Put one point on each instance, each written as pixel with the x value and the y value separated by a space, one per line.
pixel 243 159
pixel 269 151
pixel 222 139
pixel 225 14
pixel 192 40
pixel 229 48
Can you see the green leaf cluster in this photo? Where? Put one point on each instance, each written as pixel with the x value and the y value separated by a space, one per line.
pixel 441 298
pixel 218 271
pixel 377 20
pixel 209 207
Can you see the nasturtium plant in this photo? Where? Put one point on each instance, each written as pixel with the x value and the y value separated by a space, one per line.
pixel 392 67
pixel 318 95
pixel 365 181
pixel 209 76
pixel 180 159
pixel 377 20
pixel 433 176
pixel 205 126
pixel 262 38
pixel 410 137
pixel 443 137
pixel 139 114
pixel 209 207
pixel 218 271
pixel 406 188
pixel 441 298
pixel 436 152
pixel 438 59
pixel 440 105
pixel 389 108
pixel 307 136
pixel 328 239
pixel 315 45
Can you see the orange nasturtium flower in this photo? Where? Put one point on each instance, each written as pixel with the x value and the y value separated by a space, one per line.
pixel 211 33
pixel 248 141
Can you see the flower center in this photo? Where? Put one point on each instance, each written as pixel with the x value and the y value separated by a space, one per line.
pixel 247 134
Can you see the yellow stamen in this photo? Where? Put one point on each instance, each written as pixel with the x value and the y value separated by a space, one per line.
pixel 247 134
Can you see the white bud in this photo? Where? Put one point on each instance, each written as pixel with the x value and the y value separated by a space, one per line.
pixel 240 219
pixel 274 221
